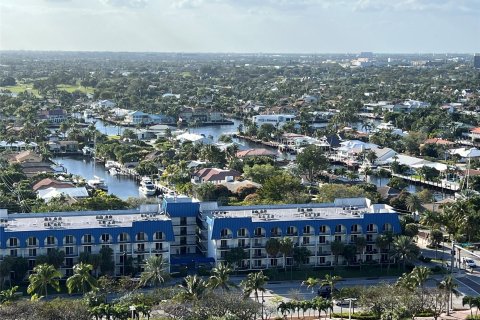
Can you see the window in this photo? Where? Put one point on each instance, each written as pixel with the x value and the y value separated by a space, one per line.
pixel 242 232
pixel 68 240
pixel 259 232
pixel 306 241
pixel 122 237
pixel 158 235
pixel 257 263
pixel 322 239
pixel 307 229
pixel 31 264
pixel 50 250
pixel 354 228
pixel 257 252
pixel 183 231
pixel 321 260
pixel 105 237
pixel 225 233
pixel 369 238
pixel 141 247
pixel 353 238
pixel 323 229
pixel 13 252
pixel 68 251
pixel 32 241
pixel 50 240
pixel 183 221
pixel 291 231
pixel 241 243
pixel 159 246
pixel 32 252
pixel 273 262
pixel 13 242
pixel 69 262
pixel 338 238
pixel 87 249
pixel 105 246
pixel 87 238
pixel 338 228
pixel 223 244
pixel 141 236
pixel 387 227
pixel 371 227
pixel 123 248
pixel 369 248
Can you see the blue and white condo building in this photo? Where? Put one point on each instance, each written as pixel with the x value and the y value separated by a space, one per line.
pixel 189 233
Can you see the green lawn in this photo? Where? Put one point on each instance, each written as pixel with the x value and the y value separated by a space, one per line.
pixel 21 87
pixel 344 272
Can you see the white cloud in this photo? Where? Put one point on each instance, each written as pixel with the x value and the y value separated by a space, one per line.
pixel 134 4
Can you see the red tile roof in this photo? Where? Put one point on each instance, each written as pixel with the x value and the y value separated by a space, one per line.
pixel 214 174
pixel 254 153
pixel 475 130
pixel 47 183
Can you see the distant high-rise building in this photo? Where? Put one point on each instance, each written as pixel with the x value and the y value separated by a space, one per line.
pixel 476 61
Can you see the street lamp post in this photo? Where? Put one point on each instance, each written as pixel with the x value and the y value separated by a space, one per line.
pixel 350 307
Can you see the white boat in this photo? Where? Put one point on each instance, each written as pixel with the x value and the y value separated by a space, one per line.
pixel 147 187
pixel 114 171
pixel 110 164
pixel 97 183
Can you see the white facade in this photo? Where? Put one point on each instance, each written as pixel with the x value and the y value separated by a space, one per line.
pixel 274 119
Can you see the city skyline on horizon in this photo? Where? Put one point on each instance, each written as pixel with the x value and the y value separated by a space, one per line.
pixel 229 26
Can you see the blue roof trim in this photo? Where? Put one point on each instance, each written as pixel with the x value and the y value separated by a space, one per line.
pixel 234 224
pixel 149 227
pixel 181 209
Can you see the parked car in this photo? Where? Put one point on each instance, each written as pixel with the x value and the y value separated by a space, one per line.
pixel 344 303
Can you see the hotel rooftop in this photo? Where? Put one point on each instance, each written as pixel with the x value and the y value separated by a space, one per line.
pixel 347 208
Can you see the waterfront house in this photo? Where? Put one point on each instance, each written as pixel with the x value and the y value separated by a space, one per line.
pixel 49 183
pixel 54 116
pixel 74 193
pixel 103 104
pixel 214 175
pixel 277 120
pixel 193 138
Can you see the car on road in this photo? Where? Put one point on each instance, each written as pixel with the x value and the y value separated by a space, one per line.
pixel 344 303
pixel 469 262
pixel 326 292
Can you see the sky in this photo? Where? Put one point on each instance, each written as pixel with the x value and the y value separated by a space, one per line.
pixel 268 26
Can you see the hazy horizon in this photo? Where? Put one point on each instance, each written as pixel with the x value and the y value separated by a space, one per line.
pixel 241 26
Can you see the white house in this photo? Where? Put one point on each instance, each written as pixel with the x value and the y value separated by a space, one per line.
pixel 274 119
pixel 69 192
pixel 103 104
pixel 194 138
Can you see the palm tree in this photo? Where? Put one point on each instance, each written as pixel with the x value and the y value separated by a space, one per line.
pixel 44 275
pixel 330 281
pixel 449 285
pixel 472 303
pixel 81 278
pixel 272 247
pixel 9 295
pixel 430 219
pixel 360 244
pixel 286 248
pixel 254 282
pixel 413 203
pixel 192 288
pixel 154 271
pixel 421 275
pixel 404 249
pixel 337 249
pixel 220 277
pixel 311 283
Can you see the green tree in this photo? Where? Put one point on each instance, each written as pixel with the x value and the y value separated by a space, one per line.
pixel 300 255
pixel 9 295
pixel 280 187
pixel 286 249
pixel 220 277
pixel 192 288
pixel 235 256
pixel 311 161
pixel 254 282
pixel 337 248
pixel 330 281
pixel 259 172
pixel 43 276
pixel 155 271
pixel 449 285
pixel 272 247
pixel 404 249
pixel 81 280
